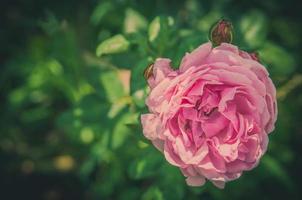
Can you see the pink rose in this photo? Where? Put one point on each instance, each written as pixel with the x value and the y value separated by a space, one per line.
pixel 212 116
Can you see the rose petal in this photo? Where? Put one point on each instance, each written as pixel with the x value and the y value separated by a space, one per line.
pixel 195 181
pixel 195 58
pixel 151 126
pixel 161 69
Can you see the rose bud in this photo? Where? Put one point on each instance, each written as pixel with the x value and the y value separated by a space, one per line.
pixel 148 72
pixel 211 117
pixel 221 32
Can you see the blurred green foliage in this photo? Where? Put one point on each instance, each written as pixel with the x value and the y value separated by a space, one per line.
pixel 70 120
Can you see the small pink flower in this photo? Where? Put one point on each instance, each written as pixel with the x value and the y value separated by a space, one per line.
pixel 212 116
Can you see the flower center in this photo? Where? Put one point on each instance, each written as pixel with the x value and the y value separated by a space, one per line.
pixel 205 110
pixel 209 111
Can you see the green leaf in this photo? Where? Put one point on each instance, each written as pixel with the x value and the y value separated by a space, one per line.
pixel 160 29
pixel 100 11
pixel 129 192
pixel 276 169
pixel 154 29
pixel 253 27
pixel 153 193
pixel 34 114
pixel 146 166
pixel 134 21
pixel 115 44
pixel 175 191
pixel 51 25
pixel 113 87
pixel 206 22
pixel 139 97
pixel 279 61
pixel 121 131
pixel 87 167
pixel 100 150
pixel 162 35
pixel 137 80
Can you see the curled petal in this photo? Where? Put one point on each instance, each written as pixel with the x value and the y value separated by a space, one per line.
pixel 195 181
pixel 219 184
pixel 161 69
pixel 195 58
pixel 151 126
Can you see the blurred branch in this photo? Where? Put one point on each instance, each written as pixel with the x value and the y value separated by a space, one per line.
pixel 283 91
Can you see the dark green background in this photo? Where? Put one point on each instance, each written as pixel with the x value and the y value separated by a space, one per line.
pixel 68 127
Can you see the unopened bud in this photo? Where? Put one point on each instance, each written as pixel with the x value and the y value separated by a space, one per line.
pixel 222 32
pixel 148 72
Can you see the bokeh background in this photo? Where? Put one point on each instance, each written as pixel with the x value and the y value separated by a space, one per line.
pixel 69 124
